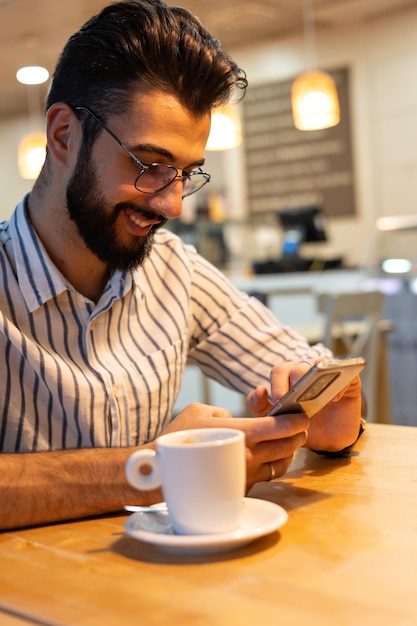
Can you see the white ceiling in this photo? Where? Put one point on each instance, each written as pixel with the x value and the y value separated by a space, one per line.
pixel 34 31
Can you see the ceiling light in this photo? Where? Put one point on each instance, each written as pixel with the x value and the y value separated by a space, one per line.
pixel 315 102
pixel 314 97
pixel 32 75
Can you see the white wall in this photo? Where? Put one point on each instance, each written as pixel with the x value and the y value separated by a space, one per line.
pixel 12 186
pixel 382 57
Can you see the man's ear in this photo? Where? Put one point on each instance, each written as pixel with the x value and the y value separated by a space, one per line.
pixel 64 133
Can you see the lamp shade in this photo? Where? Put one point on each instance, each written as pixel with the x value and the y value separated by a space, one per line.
pixel 315 102
pixel 31 155
pixel 226 128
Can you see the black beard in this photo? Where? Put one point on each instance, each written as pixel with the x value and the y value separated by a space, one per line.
pixel 86 207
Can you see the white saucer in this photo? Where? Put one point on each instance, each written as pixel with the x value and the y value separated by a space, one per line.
pixel 259 518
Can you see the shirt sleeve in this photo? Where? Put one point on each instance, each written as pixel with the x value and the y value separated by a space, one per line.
pixel 235 339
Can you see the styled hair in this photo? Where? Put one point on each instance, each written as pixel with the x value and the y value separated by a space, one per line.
pixel 144 41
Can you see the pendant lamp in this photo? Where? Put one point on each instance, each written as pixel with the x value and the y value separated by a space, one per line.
pixel 314 97
pixel 315 102
pixel 226 128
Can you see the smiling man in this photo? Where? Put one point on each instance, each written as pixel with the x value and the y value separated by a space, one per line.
pixel 101 307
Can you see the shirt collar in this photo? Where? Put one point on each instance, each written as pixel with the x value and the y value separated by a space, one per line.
pixel 39 278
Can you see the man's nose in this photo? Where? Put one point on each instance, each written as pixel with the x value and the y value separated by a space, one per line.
pixel 168 201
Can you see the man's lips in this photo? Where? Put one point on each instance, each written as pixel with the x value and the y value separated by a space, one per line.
pixel 141 220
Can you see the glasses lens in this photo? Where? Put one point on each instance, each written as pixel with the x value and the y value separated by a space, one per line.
pixel 155 178
pixel 194 182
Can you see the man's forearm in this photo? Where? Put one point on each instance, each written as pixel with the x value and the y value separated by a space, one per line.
pixel 48 487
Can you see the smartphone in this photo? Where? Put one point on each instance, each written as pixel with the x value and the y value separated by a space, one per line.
pixel 318 386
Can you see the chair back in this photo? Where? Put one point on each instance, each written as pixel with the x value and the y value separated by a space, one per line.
pixel 351 329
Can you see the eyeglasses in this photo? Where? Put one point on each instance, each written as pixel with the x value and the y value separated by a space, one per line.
pixel 156 176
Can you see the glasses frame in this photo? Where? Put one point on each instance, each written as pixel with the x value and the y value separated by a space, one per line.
pixel 144 167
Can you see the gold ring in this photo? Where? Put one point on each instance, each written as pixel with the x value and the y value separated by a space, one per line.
pixel 272 472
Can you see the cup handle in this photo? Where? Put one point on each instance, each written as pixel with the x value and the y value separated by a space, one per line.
pixel 134 475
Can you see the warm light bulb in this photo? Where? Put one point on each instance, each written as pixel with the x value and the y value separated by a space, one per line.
pixel 315 101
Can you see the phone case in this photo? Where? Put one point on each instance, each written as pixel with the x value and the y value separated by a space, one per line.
pixel 318 386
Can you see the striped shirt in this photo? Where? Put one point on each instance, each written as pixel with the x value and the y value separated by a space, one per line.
pixel 81 374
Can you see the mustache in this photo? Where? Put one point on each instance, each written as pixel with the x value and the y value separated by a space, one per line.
pixel 146 213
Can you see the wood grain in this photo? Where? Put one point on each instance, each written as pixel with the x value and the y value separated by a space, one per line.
pixel 347 555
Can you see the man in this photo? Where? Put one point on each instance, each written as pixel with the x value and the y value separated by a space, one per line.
pixel 101 308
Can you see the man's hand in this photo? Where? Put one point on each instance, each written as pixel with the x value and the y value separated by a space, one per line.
pixel 334 427
pixel 268 441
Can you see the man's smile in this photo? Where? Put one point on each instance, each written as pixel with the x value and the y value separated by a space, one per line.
pixel 142 221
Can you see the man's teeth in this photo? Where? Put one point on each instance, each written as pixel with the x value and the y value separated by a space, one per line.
pixel 139 222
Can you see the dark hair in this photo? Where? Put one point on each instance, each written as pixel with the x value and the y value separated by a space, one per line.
pixel 144 41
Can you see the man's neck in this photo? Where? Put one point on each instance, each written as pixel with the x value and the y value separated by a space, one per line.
pixel 60 237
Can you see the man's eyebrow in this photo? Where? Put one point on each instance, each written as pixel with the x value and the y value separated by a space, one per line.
pixel 153 149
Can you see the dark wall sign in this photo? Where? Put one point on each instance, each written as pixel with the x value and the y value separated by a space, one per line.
pixel 286 167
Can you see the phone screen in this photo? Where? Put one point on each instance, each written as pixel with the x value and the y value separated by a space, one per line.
pixel 318 386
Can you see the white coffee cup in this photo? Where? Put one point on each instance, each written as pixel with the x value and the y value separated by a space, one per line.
pixel 202 473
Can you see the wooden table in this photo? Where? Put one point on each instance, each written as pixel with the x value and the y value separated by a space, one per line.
pixel 347 556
